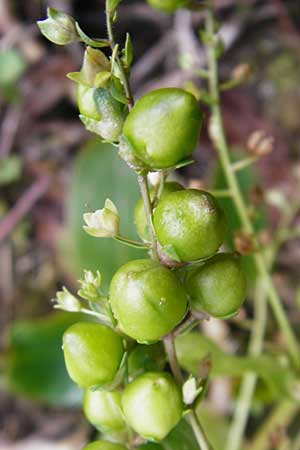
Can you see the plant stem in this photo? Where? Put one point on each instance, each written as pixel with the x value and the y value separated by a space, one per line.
pixel 241 413
pixel 144 188
pixel 172 357
pixel 132 243
pixel 198 431
pixel 219 138
pixel 284 233
pixel 123 74
pixel 200 436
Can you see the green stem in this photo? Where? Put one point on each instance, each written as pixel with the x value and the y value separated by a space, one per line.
pixel 169 345
pixel 123 74
pixel 243 163
pixel 200 436
pixel 198 431
pixel 219 138
pixel 144 188
pixel 132 243
pixel 241 413
pixel 236 432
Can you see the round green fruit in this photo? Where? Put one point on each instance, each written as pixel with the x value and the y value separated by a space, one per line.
pixel 167 6
pixel 191 222
pixel 218 286
pixel 152 405
pixel 147 300
pixel 103 409
pixel 163 127
pixel 100 112
pixel 139 213
pixel 93 353
pixel 104 445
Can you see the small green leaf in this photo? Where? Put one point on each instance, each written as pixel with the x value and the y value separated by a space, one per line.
pixel 59 27
pixel 184 163
pixel 97 43
pixel 117 91
pixel 128 52
pixel 170 251
pixel 181 438
pixel 77 77
pixel 102 78
pixel 112 5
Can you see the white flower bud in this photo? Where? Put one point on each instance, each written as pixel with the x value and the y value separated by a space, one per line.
pixel 103 222
pixel 66 301
pixel 190 391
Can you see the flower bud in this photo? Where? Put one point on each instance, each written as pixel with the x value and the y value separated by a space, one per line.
pixel 94 63
pixel 90 285
pixel 66 301
pixel 58 27
pixel 260 143
pixel 190 391
pixel 103 222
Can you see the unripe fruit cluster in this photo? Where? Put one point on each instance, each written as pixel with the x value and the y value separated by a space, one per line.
pixel 147 297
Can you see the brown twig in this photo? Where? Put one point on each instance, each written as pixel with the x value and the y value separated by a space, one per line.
pixel 9 129
pixel 23 206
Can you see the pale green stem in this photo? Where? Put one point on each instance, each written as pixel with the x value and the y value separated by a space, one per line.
pixel 221 145
pixel 198 431
pixel 123 74
pixel 243 163
pixel 132 243
pixel 144 188
pixel 248 383
pixel 192 416
pixel 241 413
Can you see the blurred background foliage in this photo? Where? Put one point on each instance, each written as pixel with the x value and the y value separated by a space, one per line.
pixel 52 171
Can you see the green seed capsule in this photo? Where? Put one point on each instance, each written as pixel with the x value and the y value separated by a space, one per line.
pixel 163 127
pixel 218 286
pixel 100 112
pixel 139 213
pixel 167 6
pixel 152 405
pixel 104 445
pixel 103 410
pixel 147 299
pixel 192 222
pixel 93 353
